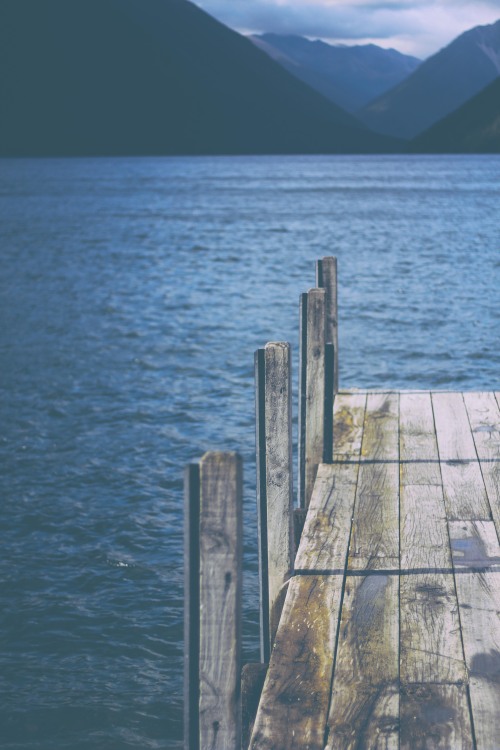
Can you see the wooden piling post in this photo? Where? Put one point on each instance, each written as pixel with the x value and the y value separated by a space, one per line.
pixel 191 606
pixel 311 390
pixel 252 682
pixel 329 399
pixel 326 278
pixel 274 482
pixel 213 605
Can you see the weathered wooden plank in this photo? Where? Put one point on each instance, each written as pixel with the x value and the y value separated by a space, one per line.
pixel 364 710
pixel 312 391
pixel 348 420
pixel 475 551
pixel 326 278
pixel 191 606
pixel 375 533
pixel 485 699
pixel 325 537
pixel 294 704
pixel 435 717
pixel 418 447
pixel 386 391
pixel 332 501
pixel 484 417
pixel 365 699
pixel 463 485
pixel 221 531
pixel 431 648
pixel 279 472
pixel 381 428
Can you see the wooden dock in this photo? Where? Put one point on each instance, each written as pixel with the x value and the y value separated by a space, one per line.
pixel 380 592
pixel 390 633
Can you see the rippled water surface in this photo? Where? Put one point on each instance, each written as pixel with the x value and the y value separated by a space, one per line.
pixel 133 293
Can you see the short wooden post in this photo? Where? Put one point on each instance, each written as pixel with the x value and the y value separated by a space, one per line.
pixel 215 491
pixel 311 390
pixel 326 278
pixel 274 482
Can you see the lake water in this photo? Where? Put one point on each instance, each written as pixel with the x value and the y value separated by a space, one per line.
pixel 133 293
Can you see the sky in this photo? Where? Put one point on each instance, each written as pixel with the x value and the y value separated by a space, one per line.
pixel 415 27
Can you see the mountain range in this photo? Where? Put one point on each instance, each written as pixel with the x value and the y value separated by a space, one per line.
pixel 349 76
pixel 473 128
pixel 439 86
pixel 134 77
pixel 113 77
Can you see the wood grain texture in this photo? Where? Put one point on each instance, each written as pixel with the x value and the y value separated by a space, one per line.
pixel 325 537
pixel 299 519
pixel 221 532
pixel 295 699
pixel 375 533
pixel 475 549
pixel 314 394
pixel 463 485
pixel 294 704
pixel 326 278
pixel 413 644
pixel 252 682
pixel 431 647
pixel 301 468
pixel 418 447
pixel 261 491
pixel 435 717
pixel 327 527
pixel 191 606
pixel 484 417
pixel 279 471
pixel 348 422
pixel 365 699
pixel 433 714
pixel 364 710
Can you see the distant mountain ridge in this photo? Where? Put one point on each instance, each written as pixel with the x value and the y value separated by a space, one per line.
pixel 473 128
pixel 350 76
pixel 439 86
pixel 92 77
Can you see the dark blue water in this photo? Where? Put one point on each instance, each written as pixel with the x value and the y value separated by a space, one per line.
pixel 133 293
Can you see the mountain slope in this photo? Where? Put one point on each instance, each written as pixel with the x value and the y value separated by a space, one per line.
pixel 440 85
pixel 473 128
pixel 134 77
pixel 348 76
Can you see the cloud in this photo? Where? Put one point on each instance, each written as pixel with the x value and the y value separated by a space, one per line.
pixel 419 27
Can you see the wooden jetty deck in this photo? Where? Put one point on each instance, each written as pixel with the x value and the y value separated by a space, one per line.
pixel 379 593
pixel 390 632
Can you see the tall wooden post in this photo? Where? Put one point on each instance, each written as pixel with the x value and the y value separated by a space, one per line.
pixel 191 606
pixel 326 278
pixel 311 390
pixel 274 482
pixel 214 513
